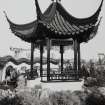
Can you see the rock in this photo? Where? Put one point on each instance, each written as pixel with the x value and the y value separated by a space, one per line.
pixel 102 90
pixel 90 82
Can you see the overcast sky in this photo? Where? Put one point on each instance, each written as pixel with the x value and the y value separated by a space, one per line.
pixel 23 11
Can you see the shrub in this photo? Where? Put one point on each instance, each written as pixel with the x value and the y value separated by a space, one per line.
pixel 100 76
pixel 10 100
pixel 36 96
pixel 28 99
pixel 95 99
pixel 98 79
pixel 81 96
pixel 64 98
pixel 90 82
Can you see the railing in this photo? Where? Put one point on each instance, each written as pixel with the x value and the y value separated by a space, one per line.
pixel 57 75
pixel 62 76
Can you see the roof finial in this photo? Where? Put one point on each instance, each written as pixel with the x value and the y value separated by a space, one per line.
pixel 58 0
pixel 38 10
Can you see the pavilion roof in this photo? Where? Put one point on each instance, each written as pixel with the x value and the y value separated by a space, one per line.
pixel 56 22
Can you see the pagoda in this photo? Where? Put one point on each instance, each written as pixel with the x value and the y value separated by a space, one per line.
pixel 57 27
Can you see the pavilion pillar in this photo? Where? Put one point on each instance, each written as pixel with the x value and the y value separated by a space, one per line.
pixel 79 60
pixel 61 51
pixel 41 61
pixel 75 58
pixel 32 59
pixel 48 58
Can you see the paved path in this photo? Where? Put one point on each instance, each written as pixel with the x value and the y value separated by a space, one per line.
pixel 57 86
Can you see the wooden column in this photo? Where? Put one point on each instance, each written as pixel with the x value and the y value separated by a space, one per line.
pixel 75 58
pixel 61 51
pixel 41 60
pixel 79 60
pixel 32 59
pixel 48 59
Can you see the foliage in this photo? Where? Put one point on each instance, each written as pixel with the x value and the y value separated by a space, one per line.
pixel 54 98
pixel 100 76
pixel 96 76
pixel 90 82
pixel 7 97
pixel 64 98
pixel 10 101
pixel 95 98
pixel 40 96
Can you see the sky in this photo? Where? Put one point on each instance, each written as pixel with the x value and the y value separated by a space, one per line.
pixel 23 11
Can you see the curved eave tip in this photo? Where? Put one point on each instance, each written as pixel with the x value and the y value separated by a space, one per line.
pixel 6 16
pixel 101 4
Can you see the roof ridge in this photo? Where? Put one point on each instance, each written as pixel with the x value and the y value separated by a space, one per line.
pixel 82 20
